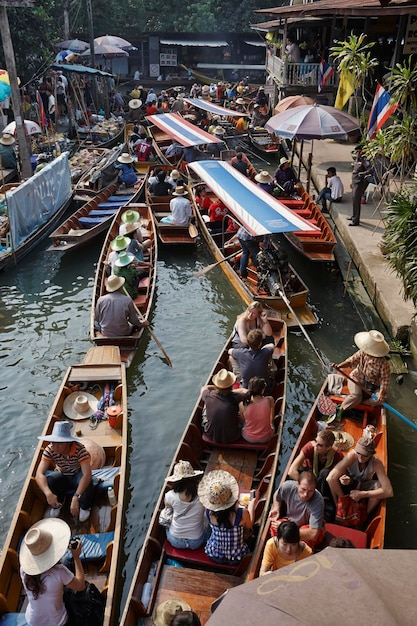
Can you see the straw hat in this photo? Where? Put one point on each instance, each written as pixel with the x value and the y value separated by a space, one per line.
pixel 343 440
pixel 168 609
pixel 125 158
pixel 7 139
pixel 119 243
pixel 175 175
pixel 365 446
pixel 283 160
pixel 130 227
pixel 61 433
pixel 130 216
pixel 240 101
pixel 43 545
pixel 372 343
pixel 180 191
pixel 264 177
pixel 218 490
pixel 135 103
pixel 183 469
pixel 114 283
pixel 224 379
pixel 219 130
pixel 124 259
pixel 79 406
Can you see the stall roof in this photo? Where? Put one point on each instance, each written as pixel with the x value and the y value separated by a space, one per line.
pixel 184 132
pixel 258 211
pixel 229 66
pixel 339 7
pixel 194 42
pixel 80 69
pixel 214 109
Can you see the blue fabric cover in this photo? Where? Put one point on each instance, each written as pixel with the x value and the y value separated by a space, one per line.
pixel 13 619
pixel 110 205
pixel 104 477
pixel 119 199
pixel 105 212
pixel 91 221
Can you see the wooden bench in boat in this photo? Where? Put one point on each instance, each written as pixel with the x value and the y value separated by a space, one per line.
pixel 239 444
pixel 199 559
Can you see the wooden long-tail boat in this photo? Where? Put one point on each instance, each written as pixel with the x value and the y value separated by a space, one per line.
pixel 271 278
pixel 264 142
pixel 318 246
pixel 102 533
pixel 127 344
pixel 199 580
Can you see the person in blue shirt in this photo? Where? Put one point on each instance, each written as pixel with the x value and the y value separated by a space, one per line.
pixel 127 173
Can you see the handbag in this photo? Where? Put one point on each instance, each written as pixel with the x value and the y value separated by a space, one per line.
pixel 165 516
pixel 351 513
pixel 84 608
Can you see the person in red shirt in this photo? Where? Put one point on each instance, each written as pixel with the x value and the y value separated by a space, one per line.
pixel 151 109
pixel 217 211
pixel 203 200
pixel 145 149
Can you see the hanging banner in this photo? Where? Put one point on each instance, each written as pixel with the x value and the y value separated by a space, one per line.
pixel 410 39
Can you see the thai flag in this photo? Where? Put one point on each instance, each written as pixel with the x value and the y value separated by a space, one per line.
pixel 42 116
pixel 325 72
pixel 380 112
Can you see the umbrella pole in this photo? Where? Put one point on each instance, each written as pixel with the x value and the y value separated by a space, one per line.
pixel 309 165
pixel 300 158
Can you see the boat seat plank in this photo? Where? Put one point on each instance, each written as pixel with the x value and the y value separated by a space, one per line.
pixel 103 212
pixel 196 557
pixel 110 205
pixel 91 221
pixel 103 372
pixel 119 199
pixel 241 466
pixel 239 444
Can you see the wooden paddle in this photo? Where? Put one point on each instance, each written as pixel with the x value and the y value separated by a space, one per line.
pixel 154 337
pixel 192 229
pixel 210 267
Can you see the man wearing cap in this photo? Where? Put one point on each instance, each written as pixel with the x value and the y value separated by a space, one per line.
pixel 65 467
pixel 284 176
pixel 354 475
pixel 361 169
pixel 332 191
pixel 222 421
pixel 115 314
pixel 371 370
pixel 7 153
pixel 180 207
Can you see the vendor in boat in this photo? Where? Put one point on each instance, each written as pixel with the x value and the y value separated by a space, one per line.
pixel 7 152
pixel 127 175
pixel 115 314
pixel 135 114
pixel 222 422
pixel 69 461
pixel 371 370
pixel 253 359
pixel 240 163
pixel 214 149
pixel 361 475
pixel 180 207
pixel 265 181
pixel 42 574
pixel 284 176
pixel 253 317
pixel 284 549
pixel 219 493
pixel 258 119
pixel 304 505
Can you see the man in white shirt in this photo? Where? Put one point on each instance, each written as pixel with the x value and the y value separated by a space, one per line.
pixel 333 191
pixel 180 208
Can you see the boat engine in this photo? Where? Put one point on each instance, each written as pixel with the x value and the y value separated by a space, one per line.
pixel 273 270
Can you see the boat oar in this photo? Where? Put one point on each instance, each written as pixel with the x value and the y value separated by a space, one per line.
pixel 210 267
pixel 375 397
pixel 257 156
pixel 192 230
pixel 154 337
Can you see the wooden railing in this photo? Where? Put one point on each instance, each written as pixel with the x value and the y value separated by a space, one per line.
pixel 287 74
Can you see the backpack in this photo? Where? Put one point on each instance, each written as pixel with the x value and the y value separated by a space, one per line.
pixel 84 608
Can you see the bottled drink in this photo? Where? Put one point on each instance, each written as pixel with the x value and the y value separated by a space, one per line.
pixel 112 496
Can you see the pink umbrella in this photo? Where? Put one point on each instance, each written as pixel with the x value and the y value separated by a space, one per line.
pixel 109 52
pixel 313 121
pixel 111 40
pixel 292 101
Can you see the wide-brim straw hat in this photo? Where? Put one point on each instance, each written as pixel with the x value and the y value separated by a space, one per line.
pixel 372 343
pixel 124 259
pixel 135 103
pixel 218 490
pixel 240 101
pixel 128 228
pixel 219 130
pixel 224 379
pixel 80 406
pixel 167 610
pixel 343 440
pixel 183 469
pixel 125 158
pixel 114 283
pixel 264 177
pixel 61 433
pixel 283 160
pixel 119 243
pixel 44 544
pixel 130 216
pixel 180 191
pixel 7 139
pixel 175 175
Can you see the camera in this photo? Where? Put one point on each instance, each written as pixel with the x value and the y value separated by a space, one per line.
pixel 74 543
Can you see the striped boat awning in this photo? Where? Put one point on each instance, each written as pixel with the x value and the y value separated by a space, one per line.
pixel 214 109
pixel 258 211
pixel 184 132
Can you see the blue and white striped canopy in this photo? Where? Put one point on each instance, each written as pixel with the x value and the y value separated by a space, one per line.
pixel 212 108
pixel 258 211
pixel 184 132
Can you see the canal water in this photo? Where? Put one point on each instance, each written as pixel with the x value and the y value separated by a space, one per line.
pixel 44 321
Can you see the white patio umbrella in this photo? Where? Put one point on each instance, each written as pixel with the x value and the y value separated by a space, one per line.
pixel 31 128
pixel 75 45
pixel 112 40
pixel 108 52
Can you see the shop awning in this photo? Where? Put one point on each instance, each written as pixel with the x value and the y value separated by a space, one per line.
pixel 258 211
pixel 229 66
pixel 79 69
pixel 184 132
pixel 194 42
pixel 212 108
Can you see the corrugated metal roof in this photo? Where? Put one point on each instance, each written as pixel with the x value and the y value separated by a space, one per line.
pixel 339 7
pixel 197 42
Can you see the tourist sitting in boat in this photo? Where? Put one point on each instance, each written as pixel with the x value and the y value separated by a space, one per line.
pixel 117 245
pixel 242 124
pixel 127 174
pixel 175 179
pixel 115 314
pixel 137 246
pixel 214 149
pixel 221 419
pixel 127 267
pixel 135 114
pixel 162 186
pixel 145 150
pixel 371 371
pixel 284 176
pixel 180 207
pixel 361 475
pixel 42 574
pixel 203 199
pixel 7 152
pixel 284 549
pixel 265 181
pixel 219 493
pixel 253 359
pixel 304 505
pixel 253 317
pixel 332 191
pixel 240 163
pixel 65 464
pixel 174 149
pixel 187 527
pixel 137 135
pixel 257 411
pixel 217 211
